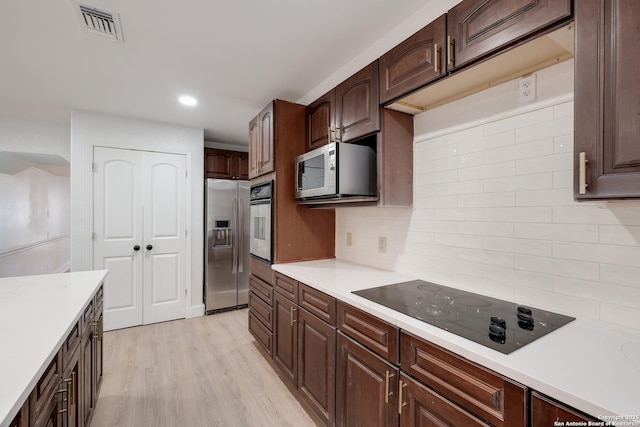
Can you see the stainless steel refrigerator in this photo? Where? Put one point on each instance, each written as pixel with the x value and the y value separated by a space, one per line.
pixel 227 266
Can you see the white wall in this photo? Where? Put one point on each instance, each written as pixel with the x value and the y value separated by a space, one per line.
pixel 34 205
pixel 92 129
pixel 494 211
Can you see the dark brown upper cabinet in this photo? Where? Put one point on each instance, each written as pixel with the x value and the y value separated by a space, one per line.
pixel 607 104
pixel 357 105
pixel 477 28
pixel 224 164
pixel 347 112
pixel 320 120
pixel 261 143
pixel 415 62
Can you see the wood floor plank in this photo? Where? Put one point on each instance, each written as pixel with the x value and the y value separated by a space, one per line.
pixel 195 372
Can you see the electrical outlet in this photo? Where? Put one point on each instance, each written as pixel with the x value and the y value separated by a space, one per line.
pixel 382 244
pixel 527 88
pixel 349 238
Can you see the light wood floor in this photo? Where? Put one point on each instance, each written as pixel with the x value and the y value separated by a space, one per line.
pixel 195 372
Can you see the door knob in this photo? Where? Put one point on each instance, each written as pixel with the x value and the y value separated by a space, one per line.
pixel 136 248
pixel 149 247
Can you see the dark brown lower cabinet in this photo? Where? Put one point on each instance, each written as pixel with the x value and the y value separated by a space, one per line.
pixel 285 338
pixel 546 412
pixel 366 387
pixel 45 400
pixel 316 365
pixel 422 406
pixel 71 416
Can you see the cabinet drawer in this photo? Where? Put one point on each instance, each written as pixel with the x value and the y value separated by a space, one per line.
pixel 287 286
pixel 423 406
pixel 473 387
pixel 260 332
pixel 87 317
pixel 261 310
pixel 261 289
pixel 378 335
pixel 318 303
pixel 545 411
pixel 262 270
pixel 45 388
pixel 99 296
pixel 71 343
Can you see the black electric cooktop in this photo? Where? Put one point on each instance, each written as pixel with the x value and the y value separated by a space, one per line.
pixel 501 325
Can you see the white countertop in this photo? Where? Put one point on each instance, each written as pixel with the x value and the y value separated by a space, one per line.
pixel 592 366
pixel 36 315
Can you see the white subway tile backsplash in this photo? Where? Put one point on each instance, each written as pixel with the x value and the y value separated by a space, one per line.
pixel 495 170
pixel 628 235
pixel 519 121
pixel 483 200
pixel 563 144
pixel 554 128
pixel 520 214
pixel 494 212
pixel 518 246
pixel 620 275
pixel 552 163
pixel 563 110
pixel 609 254
pixel 619 295
pixel 563 179
pixel 555 197
pixel 458 240
pixel 522 182
pixel 563 232
pixel 486 228
pixel 519 277
pixel 537 148
pixel 558 267
pixel 486 257
pixel 484 143
pixel 459 214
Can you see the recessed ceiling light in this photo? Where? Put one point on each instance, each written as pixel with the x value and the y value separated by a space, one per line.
pixel 188 100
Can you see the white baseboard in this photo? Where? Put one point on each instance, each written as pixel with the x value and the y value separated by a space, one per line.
pixel 196 311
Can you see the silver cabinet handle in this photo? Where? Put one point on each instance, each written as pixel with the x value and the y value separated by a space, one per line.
pixel 582 173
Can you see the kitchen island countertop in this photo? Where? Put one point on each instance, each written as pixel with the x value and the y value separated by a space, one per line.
pixel 590 365
pixel 36 315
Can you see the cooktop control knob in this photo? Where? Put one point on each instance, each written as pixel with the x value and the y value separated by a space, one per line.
pixel 498 330
pixel 525 318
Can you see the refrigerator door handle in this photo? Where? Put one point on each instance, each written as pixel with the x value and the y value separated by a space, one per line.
pixel 234 240
pixel 240 234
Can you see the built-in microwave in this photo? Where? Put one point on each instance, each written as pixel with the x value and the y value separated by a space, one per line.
pixel 335 171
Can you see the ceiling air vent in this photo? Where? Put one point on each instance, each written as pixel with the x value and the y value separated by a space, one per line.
pixel 99 22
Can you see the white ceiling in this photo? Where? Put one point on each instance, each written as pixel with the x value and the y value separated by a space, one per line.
pixel 234 56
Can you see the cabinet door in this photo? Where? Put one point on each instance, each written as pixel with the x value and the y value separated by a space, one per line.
pixel 242 165
pixel 415 62
pixel 421 406
pixel 478 27
pixel 366 387
pixel 266 161
pixel 71 416
pixel 320 120
pixel 87 377
pixel 98 351
pixel 219 164
pixel 545 412
pixel 317 365
pixel 254 146
pixel 607 105
pixel 285 337
pixel 357 104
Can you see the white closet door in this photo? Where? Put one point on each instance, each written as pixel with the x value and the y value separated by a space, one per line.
pixel 139 223
pixel 118 216
pixel 164 231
